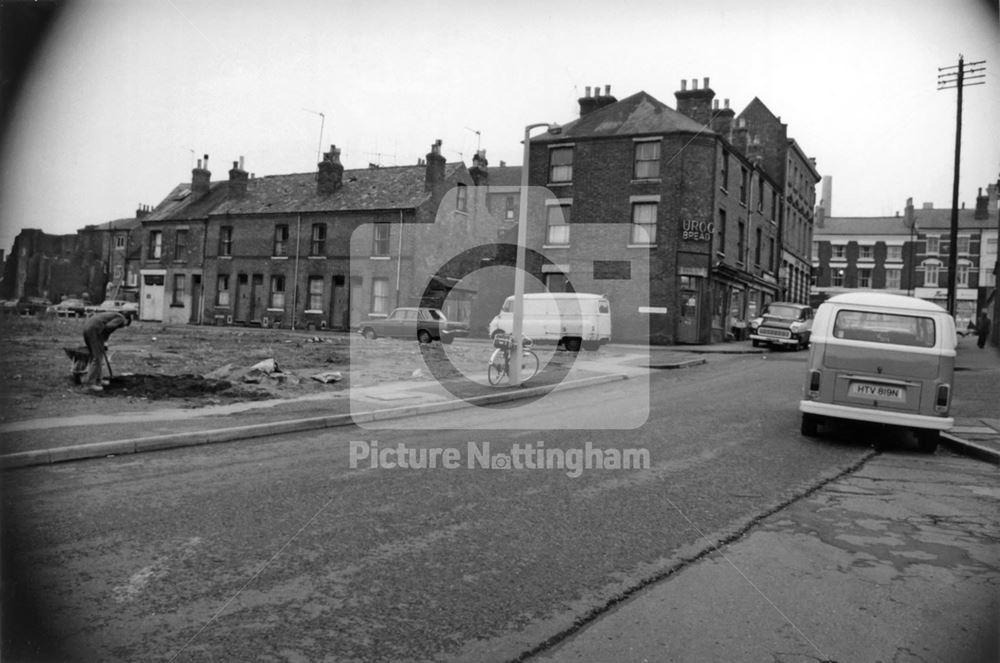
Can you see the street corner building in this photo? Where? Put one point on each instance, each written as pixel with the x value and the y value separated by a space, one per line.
pixel 715 210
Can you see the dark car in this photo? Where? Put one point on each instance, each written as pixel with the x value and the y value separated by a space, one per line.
pixel 423 324
pixel 70 308
pixel 32 305
pixel 783 324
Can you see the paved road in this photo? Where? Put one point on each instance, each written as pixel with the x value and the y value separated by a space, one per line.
pixel 276 549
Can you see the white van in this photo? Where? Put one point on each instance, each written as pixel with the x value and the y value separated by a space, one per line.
pixel 881 358
pixel 571 318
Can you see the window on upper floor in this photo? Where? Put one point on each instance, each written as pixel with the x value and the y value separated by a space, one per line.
pixel 647 160
pixel 317 244
pixel 557 225
pixel 962 274
pixel 963 245
pixel 838 251
pixel 933 244
pixel 760 193
pixel 180 244
pixel 509 207
pixel 932 271
pixel 155 250
pixel 561 164
pixel 226 241
pixel 864 278
pixel 893 253
pixel 744 184
pixel 280 240
pixel 120 240
pixel 380 244
pixel 721 230
pixel 461 198
pixel 643 223
pixel 759 236
pixel 724 175
pixel 741 231
pixel 865 252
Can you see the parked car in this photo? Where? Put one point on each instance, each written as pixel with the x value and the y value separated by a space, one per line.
pixel 881 358
pixel 423 324
pixel 129 309
pixel 32 305
pixel 71 307
pixel 783 324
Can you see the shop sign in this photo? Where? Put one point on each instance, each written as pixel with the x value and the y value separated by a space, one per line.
pixel 697 231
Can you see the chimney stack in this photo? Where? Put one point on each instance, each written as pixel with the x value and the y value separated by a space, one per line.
pixel 588 104
pixel 331 172
pixel 695 103
pixel 238 180
pixel 478 171
pixel 142 211
pixel 982 206
pixel 434 174
pixel 722 119
pixel 201 178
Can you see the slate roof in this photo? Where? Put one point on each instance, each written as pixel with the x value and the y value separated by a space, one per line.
pixel 504 176
pixel 638 114
pixel 397 187
pixel 926 219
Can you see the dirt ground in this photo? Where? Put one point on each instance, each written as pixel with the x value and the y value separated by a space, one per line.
pixel 156 365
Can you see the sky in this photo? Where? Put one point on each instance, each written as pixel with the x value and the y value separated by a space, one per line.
pixel 125 95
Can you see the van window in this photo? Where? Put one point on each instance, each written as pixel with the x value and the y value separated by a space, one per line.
pixel 508 306
pixel 888 328
pixel 603 306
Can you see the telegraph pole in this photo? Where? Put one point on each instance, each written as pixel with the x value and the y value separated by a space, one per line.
pixel 957 77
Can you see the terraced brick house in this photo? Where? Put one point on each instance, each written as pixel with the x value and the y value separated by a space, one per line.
pixel 320 250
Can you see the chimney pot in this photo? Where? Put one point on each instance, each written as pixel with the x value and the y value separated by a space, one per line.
pixel 694 83
pixel 607 90
pixel 684 85
pixel 727 103
pixel 587 94
pixel 715 104
pixel 706 86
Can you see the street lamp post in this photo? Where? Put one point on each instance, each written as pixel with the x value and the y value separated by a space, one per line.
pixel 522 238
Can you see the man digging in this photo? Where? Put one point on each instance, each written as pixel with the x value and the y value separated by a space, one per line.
pixel 96 332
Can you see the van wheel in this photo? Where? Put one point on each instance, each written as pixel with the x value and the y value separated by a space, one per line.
pixel 572 344
pixel 927 440
pixel 424 336
pixel 810 425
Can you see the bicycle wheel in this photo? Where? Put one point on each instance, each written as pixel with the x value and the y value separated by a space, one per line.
pixel 529 365
pixel 495 371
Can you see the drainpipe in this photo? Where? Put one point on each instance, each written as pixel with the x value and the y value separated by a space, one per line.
pixel 399 255
pixel 295 276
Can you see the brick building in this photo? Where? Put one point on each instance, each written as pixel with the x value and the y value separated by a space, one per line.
pixel 96 262
pixel 762 136
pixel 322 250
pixel 674 190
pixel 909 254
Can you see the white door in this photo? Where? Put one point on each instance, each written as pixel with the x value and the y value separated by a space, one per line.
pixel 151 297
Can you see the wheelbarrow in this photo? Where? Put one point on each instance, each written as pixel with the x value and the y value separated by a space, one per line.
pixel 81 359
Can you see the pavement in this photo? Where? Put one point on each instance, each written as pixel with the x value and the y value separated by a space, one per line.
pixel 44 441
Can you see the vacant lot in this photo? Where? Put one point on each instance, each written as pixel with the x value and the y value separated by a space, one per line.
pixel 158 366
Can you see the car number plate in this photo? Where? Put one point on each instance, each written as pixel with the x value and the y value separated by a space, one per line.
pixel 879 392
